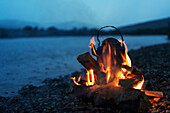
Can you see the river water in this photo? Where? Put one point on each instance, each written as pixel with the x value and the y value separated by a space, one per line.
pixel 30 60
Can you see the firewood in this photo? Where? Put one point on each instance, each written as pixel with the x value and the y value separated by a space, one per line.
pixel 144 102
pixel 88 61
pixel 126 98
pixel 137 73
pixel 127 82
pixel 158 94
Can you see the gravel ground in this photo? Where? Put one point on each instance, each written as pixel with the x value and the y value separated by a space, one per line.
pixel 56 94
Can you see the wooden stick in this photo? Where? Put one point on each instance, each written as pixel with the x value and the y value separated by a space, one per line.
pixel 154 93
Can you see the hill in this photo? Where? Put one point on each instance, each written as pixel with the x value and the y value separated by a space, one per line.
pixel 152 25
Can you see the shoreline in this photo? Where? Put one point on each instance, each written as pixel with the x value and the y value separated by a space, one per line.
pixel 34 60
pixel 55 94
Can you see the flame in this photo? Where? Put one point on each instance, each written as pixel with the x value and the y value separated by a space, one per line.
pixel 124 70
pixel 119 75
pixel 128 61
pixel 90 78
pixel 92 43
pixel 139 85
pixel 126 58
pixel 74 80
pixel 122 76
pixel 108 64
pixel 108 74
pixel 107 60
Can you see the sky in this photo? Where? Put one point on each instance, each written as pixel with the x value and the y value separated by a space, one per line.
pixel 94 12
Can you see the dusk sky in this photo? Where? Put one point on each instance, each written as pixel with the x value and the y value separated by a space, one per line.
pixel 95 12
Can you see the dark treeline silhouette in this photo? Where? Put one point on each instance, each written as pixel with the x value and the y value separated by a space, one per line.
pixel 29 31
pixel 168 30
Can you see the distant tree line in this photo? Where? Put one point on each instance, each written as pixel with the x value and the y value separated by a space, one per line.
pixel 168 30
pixel 29 31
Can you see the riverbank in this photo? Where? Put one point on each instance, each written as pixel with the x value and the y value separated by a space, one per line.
pixel 56 94
pixel 31 60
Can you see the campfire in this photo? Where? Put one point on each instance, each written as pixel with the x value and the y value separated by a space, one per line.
pixel 111 78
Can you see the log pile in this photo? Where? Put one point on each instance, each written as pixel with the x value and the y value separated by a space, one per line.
pixel 123 96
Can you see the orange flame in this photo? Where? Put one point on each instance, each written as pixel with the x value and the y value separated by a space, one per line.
pixel 107 59
pixel 90 78
pixel 108 74
pixel 92 43
pixel 139 85
pixel 128 61
pixel 108 63
pixel 126 58
pixel 74 80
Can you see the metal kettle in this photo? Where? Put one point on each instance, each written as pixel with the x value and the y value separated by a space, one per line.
pixel 115 46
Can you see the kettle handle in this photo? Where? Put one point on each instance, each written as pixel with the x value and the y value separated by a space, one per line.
pixel 105 27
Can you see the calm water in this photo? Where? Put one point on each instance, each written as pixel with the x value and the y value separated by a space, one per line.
pixel 31 60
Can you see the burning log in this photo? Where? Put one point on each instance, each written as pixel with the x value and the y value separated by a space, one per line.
pixel 127 82
pixel 137 73
pixel 125 98
pixel 90 63
pixel 112 79
pixel 154 93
